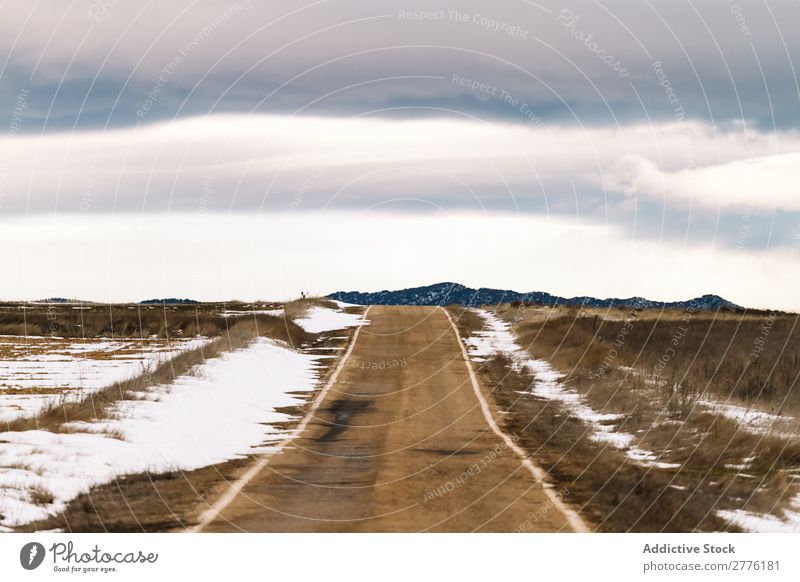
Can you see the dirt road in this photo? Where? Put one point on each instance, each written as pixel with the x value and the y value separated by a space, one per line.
pixel 400 442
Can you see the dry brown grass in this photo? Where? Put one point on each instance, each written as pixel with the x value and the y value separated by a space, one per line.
pixel 689 353
pixel 33 391
pixel 611 493
pixel 96 404
pixel 41 496
pixel 146 502
pixel 171 500
pixel 143 502
pixel 119 320
pixel 616 493
pixel 467 321
pixel 297 309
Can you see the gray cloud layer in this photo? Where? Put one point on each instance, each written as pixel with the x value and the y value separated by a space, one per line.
pixel 562 66
pixel 101 62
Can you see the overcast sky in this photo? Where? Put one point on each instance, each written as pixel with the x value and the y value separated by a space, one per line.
pixel 245 149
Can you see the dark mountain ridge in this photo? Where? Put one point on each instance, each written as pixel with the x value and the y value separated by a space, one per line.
pixel 456 294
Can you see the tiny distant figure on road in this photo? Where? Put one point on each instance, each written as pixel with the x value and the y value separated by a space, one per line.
pixel 302 294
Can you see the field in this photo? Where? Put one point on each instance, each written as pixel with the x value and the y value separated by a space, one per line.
pixel 136 418
pixel 52 354
pixel 655 421
pixel 88 407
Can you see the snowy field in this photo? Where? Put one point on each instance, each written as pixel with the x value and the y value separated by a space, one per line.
pixel 252 312
pixel 209 416
pixel 38 371
pixel 220 410
pixel 497 337
pixel 322 319
pixel 763 522
pixel 752 420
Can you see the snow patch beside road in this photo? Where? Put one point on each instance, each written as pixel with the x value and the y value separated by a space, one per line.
pixel 220 410
pixel 753 420
pixel 497 337
pixel 36 372
pixel 213 414
pixel 242 313
pixel 322 319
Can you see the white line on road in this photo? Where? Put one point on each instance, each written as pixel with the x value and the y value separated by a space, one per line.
pixel 538 473
pixel 214 511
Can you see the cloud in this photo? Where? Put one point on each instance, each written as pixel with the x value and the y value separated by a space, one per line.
pixel 270 256
pixel 92 64
pixel 765 183
pixel 301 163
pixel 214 109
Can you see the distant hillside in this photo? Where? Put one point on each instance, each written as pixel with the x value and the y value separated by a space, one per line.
pixel 168 301
pixel 56 300
pixel 453 293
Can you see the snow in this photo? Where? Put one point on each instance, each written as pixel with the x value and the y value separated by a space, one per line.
pixel 763 522
pixel 743 466
pixel 215 413
pixel 235 313
pixel 497 337
pixel 322 319
pixel 648 458
pixel 548 386
pixel 53 369
pixel 751 419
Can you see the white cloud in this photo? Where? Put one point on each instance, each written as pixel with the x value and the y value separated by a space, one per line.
pixel 766 183
pixel 274 256
pixel 272 160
